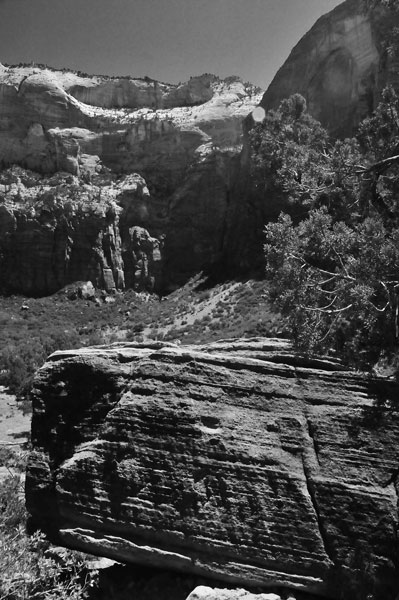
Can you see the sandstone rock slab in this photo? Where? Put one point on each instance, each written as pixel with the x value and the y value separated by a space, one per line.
pixel 234 460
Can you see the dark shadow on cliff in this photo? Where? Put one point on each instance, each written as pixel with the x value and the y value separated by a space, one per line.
pixel 386 402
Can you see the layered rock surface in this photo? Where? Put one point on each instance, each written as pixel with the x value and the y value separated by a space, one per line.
pixel 340 66
pixel 56 120
pixel 182 139
pixel 58 230
pixel 235 460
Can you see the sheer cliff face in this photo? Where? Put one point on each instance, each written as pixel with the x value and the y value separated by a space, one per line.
pixel 340 67
pixel 181 138
pixel 54 231
pixel 52 120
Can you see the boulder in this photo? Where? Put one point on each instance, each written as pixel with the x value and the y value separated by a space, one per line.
pixel 87 291
pixel 203 592
pixel 238 461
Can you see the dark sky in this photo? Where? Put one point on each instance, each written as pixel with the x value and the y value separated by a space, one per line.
pixel 167 40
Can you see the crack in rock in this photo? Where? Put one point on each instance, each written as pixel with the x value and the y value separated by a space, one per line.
pixel 307 461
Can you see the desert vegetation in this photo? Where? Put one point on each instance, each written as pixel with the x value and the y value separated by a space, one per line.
pixel 332 258
pixel 29 566
pixel 34 328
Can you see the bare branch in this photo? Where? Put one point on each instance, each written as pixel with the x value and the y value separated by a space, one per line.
pixel 380 310
pixel 387 293
pixel 320 270
pixel 328 312
pixel 381 165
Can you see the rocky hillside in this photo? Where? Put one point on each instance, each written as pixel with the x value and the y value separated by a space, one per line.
pixel 96 133
pixel 233 460
pixel 140 184
pixel 341 65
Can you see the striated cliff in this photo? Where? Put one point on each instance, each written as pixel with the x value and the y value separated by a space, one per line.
pixel 341 65
pixel 57 120
pixel 182 139
pixel 57 230
pixel 235 460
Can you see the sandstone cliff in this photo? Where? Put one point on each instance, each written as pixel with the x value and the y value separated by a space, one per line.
pixel 234 460
pixel 54 231
pixel 340 66
pixel 182 139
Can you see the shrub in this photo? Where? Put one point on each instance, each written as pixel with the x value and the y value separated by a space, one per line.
pixel 27 567
pixel 334 274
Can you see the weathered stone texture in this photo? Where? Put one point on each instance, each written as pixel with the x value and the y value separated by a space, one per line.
pixel 55 231
pixel 180 138
pixel 203 592
pixel 340 66
pixel 232 460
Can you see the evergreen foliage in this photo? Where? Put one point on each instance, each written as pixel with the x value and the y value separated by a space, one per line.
pixel 334 274
pixel 28 567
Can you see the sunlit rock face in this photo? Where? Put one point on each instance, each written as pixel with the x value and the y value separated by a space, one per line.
pixel 57 230
pixel 55 120
pixel 182 139
pixel 234 460
pixel 340 66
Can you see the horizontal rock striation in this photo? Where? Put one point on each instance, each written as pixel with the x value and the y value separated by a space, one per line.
pixel 55 231
pixel 235 460
pixel 340 66
pixel 183 139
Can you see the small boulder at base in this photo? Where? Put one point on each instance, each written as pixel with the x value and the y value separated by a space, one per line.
pixel 87 291
pixel 203 592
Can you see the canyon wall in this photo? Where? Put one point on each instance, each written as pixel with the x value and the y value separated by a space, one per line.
pixel 98 134
pixel 58 230
pixel 235 460
pixel 184 141
pixel 340 66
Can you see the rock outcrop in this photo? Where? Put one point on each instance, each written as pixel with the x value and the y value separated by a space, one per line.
pixel 235 460
pixel 57 120
pixel 203 592
pixel 55 231
pixel 340 66
pixel 182 139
